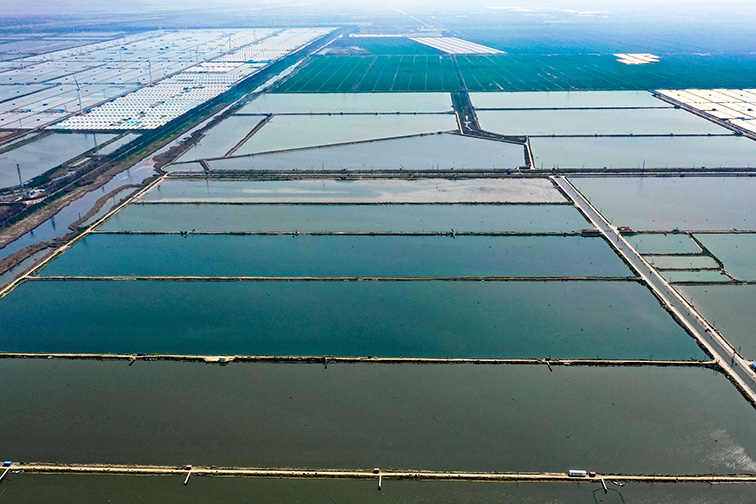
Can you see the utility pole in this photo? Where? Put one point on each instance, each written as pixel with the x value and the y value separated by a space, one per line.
pixel 78 94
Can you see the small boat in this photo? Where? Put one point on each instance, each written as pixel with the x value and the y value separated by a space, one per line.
pixel 618 483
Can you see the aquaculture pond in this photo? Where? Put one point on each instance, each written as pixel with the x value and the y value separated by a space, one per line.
pixel 425 190
pixel 338 256
pixel 454 417
pixel 350 103
pixel 346 218
pixel 570 319
pixel 294 132
pixel 644 152
pixel 427 153
pixel 566 99
pixel 663 243
pixel 729 308
pixel 736 251
pixel 650 121
pixel 666 203
pixel 221 138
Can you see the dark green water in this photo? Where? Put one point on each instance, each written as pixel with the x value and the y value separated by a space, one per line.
pixel 736 251
pixel 70 489
pixel 347 218
pixel 422 319
pixel 729 308
pixel 387 256
pixel 438 417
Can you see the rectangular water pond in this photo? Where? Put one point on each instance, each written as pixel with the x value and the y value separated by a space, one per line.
pixel 389 319
pixel 696 276
pixel 319 103
pixel 438 190
pixel 294 132
pixel 221 138
pixel 682 261
pixel 566 99
pixel 476 418
pixel 665 203
pixel 729 308
pixel 736 251
pixel 338 256
pixel 663 243
pixel 346 218
pixel 644 152
pixel 597 122
pixel 431 152
pixel 78 488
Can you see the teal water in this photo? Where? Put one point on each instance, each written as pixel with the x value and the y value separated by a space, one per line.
pixel 736 251
pixel 347 218
pixel 75 489
pixel 431 190
pixel 421 319
pixel 652 121
pixel 462 417
pixel 663 244
pixel 696 276
pixel 644 152
pixel 347 256
pixel 663 203
pixel 682 262
pixel 729 308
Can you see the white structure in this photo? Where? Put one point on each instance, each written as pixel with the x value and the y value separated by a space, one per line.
pixel 139 81
pixel 736 106
pixel 453 45
pixel 637 58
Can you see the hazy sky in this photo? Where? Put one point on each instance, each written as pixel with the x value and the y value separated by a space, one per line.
pixel 732 8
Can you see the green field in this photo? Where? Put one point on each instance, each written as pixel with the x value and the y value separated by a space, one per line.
pixel 373 73
pixel 502 72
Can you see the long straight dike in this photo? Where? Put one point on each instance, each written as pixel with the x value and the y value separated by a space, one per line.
pixel 357 474
pixel 734 366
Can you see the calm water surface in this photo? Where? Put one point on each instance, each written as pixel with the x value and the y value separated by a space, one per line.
pixel 333 256
pixel 730 309
pixel 644 152
pixel 421 318
pixel 463 417
pixel 736 251
pixel 665 203
pixel 74 489
pixel 347 218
